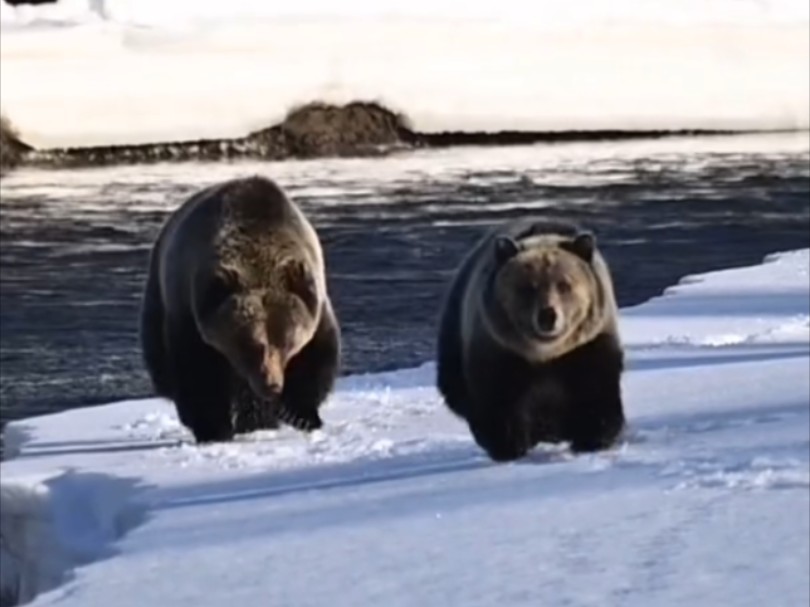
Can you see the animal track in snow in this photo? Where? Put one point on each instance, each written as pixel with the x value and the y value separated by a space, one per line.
pixel 758 473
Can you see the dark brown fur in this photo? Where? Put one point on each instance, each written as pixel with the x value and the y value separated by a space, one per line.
pixel 515 384
pixel 236 324
pixel 323 129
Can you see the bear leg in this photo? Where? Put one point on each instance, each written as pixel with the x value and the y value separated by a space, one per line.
pixel 596 416
pixel 152 335
pixel 504 438
pixel 449 369
pixel 310 375
pixel 497 415
pixel 252 413
pixel 201 377
pixel 450 379
pixel 597 425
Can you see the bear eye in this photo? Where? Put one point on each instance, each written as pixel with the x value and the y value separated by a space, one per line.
pixel 563 286
pixel 214 295
pixel 527 292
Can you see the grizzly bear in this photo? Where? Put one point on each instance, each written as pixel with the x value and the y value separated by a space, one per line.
pixel 528 348
pixel 236 324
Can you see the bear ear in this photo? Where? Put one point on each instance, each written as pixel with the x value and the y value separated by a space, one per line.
pixel 299 280
pixel 583 245
pixel 505 249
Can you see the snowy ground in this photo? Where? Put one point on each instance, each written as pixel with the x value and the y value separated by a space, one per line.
pixel 127 71
pixel 706 503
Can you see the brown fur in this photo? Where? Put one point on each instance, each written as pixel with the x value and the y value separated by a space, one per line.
pixel 532 279
pixel 237 297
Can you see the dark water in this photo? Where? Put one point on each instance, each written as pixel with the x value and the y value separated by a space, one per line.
pixel 75 243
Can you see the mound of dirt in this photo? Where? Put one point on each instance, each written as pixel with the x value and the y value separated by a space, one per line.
pixel 12 148
pixel 322 129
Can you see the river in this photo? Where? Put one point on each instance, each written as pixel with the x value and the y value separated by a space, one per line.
pixel 74 243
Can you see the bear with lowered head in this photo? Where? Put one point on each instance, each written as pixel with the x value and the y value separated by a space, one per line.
pixel 528 347
pixel 236 326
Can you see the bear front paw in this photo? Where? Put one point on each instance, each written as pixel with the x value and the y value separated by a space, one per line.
pixel 505 453
pixel 212 434
pixel 502 441
pixel 303 422
pixel 598 435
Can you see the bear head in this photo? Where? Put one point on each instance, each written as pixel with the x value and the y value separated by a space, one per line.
pixel 546 291
pixel 259 328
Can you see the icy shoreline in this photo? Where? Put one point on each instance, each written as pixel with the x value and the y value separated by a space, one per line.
pixel 717 393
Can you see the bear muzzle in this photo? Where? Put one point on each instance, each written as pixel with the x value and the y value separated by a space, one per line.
pixel 547 322
pixel 269 382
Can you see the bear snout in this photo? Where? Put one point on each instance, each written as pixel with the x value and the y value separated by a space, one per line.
pixel 273 387
pixel 545 320
pixel 270 380
pixel 268 390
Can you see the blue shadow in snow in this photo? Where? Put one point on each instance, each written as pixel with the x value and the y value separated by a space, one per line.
pixel 787 302
pixel 716 356
pixel 690 423
pixel 357 473
pixel 58 448
pixel 445 461
pixel 505 486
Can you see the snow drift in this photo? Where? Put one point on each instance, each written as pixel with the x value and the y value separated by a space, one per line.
pixel 705 503
pixel 50 525
pixel 86 73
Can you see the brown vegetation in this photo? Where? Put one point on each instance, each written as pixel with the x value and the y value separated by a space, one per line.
pixel 12 149
pixel 322 129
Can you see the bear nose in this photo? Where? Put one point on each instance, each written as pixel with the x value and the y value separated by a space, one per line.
pixel 546 318
pixel 265 389
pixel 273 387
pixel 272 375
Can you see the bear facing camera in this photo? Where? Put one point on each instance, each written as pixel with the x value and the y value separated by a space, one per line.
pixel 236 324
pixel 528 348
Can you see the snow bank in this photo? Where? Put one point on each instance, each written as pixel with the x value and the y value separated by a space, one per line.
pixel 706 502
pixel 49 525
pixel 30 560
pixel 141 72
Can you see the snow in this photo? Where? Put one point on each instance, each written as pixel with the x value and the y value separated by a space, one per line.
pixel 705 502
pixel 146 71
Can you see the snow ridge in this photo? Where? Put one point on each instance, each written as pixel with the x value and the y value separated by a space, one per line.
pixel 48 527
